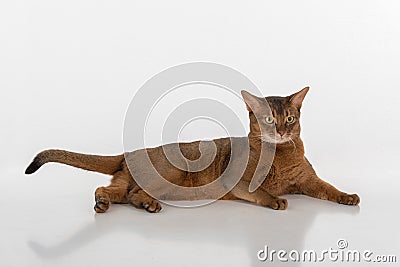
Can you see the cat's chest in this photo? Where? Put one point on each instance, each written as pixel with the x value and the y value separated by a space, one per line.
pixel 283 177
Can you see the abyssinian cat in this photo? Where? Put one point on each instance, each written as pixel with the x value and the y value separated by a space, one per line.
pixel 290 172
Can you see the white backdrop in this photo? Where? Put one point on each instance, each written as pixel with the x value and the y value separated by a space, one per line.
pixel 69 70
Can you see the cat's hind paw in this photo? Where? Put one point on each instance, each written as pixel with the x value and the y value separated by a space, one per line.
pixel 278 204
pixel 152 206
pixel 102 205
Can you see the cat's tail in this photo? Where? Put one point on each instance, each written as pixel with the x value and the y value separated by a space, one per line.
pixel 102 164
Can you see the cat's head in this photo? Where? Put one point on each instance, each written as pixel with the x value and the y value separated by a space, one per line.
pixel 275 119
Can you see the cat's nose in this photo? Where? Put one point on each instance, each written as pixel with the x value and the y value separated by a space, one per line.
pixel 281 133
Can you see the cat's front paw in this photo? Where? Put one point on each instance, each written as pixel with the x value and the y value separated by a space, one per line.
pixel 348 199
pixel 278 204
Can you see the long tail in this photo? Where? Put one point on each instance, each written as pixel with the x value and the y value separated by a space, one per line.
pixel 102 164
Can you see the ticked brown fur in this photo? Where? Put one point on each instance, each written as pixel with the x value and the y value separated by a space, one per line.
pixel 290 173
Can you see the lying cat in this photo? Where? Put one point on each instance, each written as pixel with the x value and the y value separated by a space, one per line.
pixel 290 173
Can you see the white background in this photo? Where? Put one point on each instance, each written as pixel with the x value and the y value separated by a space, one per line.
pixel 67 74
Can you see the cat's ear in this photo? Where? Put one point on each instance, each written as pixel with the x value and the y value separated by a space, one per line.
pixel 252 102
pixel 297 98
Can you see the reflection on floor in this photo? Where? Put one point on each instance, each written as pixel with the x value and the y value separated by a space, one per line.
pixel 59 228
pixel 245 226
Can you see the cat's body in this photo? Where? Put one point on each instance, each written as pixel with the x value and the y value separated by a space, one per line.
pixel 290 173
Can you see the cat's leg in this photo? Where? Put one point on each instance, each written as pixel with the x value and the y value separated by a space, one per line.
pixel 116 192
pixel 140 199
pixel 315 187
pixel 260 196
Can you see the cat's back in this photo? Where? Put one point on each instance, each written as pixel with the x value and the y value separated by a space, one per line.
pixel 178 154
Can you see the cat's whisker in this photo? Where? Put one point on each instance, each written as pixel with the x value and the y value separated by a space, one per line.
pixel 294 144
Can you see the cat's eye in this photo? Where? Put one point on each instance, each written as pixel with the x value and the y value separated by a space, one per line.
pixel 269 120
pixel 290 119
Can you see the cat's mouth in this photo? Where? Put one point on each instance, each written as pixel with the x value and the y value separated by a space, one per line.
pixel 276 139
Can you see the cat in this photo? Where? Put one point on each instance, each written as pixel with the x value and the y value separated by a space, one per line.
pixel 289 173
